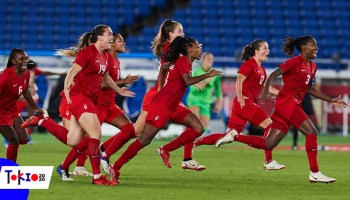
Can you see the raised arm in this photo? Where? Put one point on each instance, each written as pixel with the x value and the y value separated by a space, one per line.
pixel 189 80
pixel 337 101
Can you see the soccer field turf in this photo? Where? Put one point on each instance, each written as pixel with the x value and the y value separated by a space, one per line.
pixel 234 171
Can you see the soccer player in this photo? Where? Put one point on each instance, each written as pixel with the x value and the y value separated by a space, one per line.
pixel 108 111
pixel 165 102
pixel 250 82
pixel 22 103
pixel 14 82
pixel 81 88
pixel 297 75
pixel 168 31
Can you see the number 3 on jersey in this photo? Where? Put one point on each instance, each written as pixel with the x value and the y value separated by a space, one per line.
pixel 308 79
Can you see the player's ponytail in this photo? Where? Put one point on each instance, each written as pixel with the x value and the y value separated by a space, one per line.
pixel 249 50
pixel 289 43
pixel 163 36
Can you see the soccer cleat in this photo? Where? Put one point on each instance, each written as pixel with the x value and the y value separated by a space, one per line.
pixel 192 165
pixel 33 120
pixel 114 175
pixel 102 180
pixel 105 164
pixel 63 173
pixel 81 171
pixel 228 138
pixel 273 165
pixel 165 155
pixel 318 177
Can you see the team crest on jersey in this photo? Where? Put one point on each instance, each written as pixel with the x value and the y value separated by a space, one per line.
pixel 85 106
pixel 157 117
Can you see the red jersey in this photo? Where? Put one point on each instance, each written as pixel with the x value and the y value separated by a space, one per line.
pixel 164 47
pixel 174 87
pixel 297 75
pixel 94 66
pixel 12 87
pixel 107 95
pixel 255 79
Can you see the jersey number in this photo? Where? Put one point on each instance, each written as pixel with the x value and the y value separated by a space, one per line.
pixel 308 79
pixel 102 69
pixel 261 79
pixel 19 90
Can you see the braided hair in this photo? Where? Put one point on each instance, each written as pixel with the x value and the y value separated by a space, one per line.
pixel 178 46
pixel 12 56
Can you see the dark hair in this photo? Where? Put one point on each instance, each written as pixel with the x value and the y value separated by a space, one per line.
pixel 289 43
pixel 249 50
pixel 84 40
pixel 31 64
pixel 116 36
pixel 178 46
pixel 13 54
pixel 163 36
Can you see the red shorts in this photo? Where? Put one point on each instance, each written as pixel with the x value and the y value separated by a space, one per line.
pixel 147 99
pixel 81 104
pixel 107 114
pixel 250 112
pixel 180 113
pixel 64 109
pixel 7 119
pixel 158 114
pixel 282 120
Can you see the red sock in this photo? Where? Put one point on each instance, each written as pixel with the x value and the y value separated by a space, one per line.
pixel 94 155
pixel 268 153
pixel 75 152
pixel 127 132
pixel 108 142
pixel 253 141
pixel 129 153
pixel 12 151
pixel 210 139
pixel 311 150
pixel 81 160
pixel 56 130
pixel 188 150
pixel 189 135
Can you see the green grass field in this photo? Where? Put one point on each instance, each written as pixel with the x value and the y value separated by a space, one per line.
pixel 233 172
